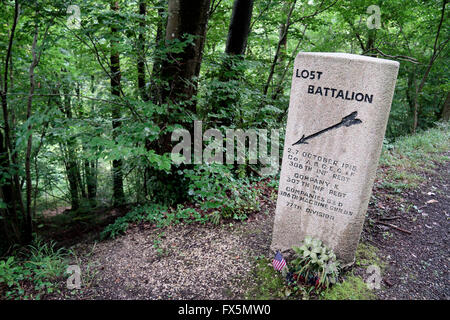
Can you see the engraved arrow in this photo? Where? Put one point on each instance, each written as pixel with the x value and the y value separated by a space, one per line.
pixel 347 121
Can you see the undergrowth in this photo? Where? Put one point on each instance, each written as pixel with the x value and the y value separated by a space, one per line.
pixel 215 192
pixel 32 271
pixel 402 162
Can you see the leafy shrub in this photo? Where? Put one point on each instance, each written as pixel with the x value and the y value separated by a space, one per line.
pixel 147 212
pixel 315 264
pixel 217 191
pixel 11 274
pixel 213 188
pixel 42 266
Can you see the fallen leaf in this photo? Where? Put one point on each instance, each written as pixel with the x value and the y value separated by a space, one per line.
pixel 432 201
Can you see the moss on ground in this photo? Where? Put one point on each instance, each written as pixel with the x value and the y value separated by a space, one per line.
pixel 269 283
pixel 367 254
pixel 352 288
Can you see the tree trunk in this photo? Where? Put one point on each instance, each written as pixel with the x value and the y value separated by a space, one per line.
pixel 239 27
pixel 278 89
pixel 238 32
pixel 157 61
pixel 118 194
pixel 370 45
pixel 89 172
pixel 281 40
pixel 141 52
pixel 186 18
pixel 28 228
pixel 11 188
pixel 9 213
pixel 433 58
pixel 72 178
pixel 70 155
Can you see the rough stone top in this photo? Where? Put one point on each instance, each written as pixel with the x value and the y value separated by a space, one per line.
pixel 349 56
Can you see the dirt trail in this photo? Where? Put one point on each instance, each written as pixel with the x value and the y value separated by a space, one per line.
pixel 418 263
pixel 204 262
pixel 179 262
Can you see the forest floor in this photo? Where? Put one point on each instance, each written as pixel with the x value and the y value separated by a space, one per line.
pixel 408 230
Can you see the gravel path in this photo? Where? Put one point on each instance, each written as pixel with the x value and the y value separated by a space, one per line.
pixel 181 262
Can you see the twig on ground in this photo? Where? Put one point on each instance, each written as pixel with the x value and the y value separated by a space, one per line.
pixel 390 218
pixel 393 226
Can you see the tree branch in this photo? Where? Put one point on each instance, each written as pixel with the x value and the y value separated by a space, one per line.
pixel 398 57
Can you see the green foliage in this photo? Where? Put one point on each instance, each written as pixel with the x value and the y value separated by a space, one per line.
pixel 41 265
pixel 215 189
pixel 314 260
pixel 11 274
pixel 144 213
pixel 72 106
pixel 402 160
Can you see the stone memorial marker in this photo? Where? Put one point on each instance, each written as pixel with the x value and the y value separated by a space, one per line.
pixel 337 118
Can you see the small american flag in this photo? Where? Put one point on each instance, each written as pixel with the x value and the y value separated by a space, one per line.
pixel 278 262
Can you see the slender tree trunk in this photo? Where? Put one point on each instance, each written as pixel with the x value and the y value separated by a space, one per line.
pixel 418 92
pixel 278 90
pixel 370 45
pixel 186 18
pixel 238 31
pixel 156 93
pixel 80 182
pixel 141 52
pixel 435 54
pixel 10 219
pixel 118 194
pixel 70 155
pixel 90 183
pixel 410 93
pixel 28 232
pixel 11 188
pixel 279 48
